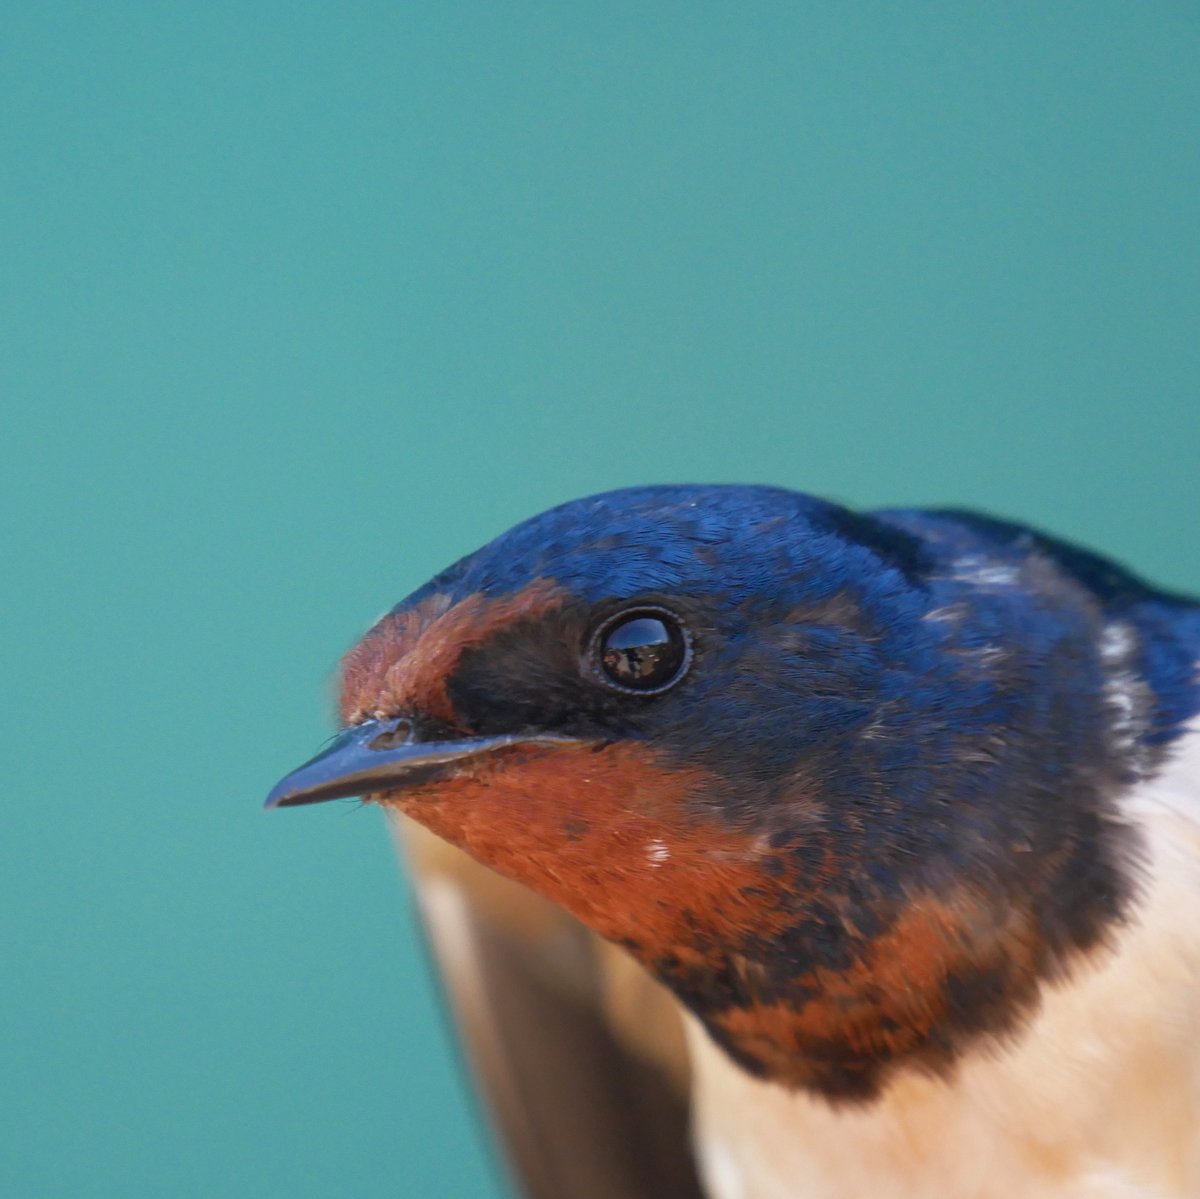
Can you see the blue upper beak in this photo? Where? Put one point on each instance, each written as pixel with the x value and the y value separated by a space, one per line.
pixel 381 755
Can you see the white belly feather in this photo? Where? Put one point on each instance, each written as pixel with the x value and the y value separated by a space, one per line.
pixel 1098 1098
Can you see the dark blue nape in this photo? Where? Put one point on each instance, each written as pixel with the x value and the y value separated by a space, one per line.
pixel 1167 625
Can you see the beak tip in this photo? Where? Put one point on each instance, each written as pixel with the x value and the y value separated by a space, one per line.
pixel 286 794
pixel 291 790
pixel 276 799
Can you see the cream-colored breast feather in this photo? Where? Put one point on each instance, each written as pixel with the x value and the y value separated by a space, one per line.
pixel 1097 1098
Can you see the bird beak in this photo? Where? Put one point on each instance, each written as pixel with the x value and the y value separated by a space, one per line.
pixel 381 755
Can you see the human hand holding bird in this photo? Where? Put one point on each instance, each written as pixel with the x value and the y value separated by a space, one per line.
pixel 900 811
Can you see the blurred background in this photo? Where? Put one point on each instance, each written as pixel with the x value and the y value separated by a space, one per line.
pixel 302 302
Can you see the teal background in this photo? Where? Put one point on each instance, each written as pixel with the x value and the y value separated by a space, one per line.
pixel 302 302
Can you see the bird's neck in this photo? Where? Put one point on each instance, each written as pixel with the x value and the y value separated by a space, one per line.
pixel 1094 1094
pixel 600 834
pixel 797 980
pixel 803 975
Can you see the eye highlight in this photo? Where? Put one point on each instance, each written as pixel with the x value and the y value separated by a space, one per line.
pixel 641 651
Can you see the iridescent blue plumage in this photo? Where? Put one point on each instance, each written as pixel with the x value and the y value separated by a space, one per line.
pixel 756 552
pixel 901 704
pixel 1166 625
pixel 892 793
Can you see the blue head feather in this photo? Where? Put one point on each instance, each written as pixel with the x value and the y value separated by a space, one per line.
pixel 938 703
pixel 850 612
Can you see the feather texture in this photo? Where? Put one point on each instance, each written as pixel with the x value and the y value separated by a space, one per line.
pixel 1098 1097
pixel 578 1053
pixel 910 828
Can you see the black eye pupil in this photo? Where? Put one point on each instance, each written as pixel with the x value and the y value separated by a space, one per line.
pixel 643 651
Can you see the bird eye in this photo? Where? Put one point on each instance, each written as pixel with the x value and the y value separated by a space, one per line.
pixel 643 651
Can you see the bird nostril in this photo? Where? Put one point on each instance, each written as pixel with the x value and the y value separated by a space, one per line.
pixel 400 733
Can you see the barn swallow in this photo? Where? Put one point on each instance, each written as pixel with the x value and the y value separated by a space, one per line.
pixel 846 854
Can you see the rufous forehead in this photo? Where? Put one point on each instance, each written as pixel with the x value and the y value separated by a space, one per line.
pixel 403 663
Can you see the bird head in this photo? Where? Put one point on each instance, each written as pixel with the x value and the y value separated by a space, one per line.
pixel 843 783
